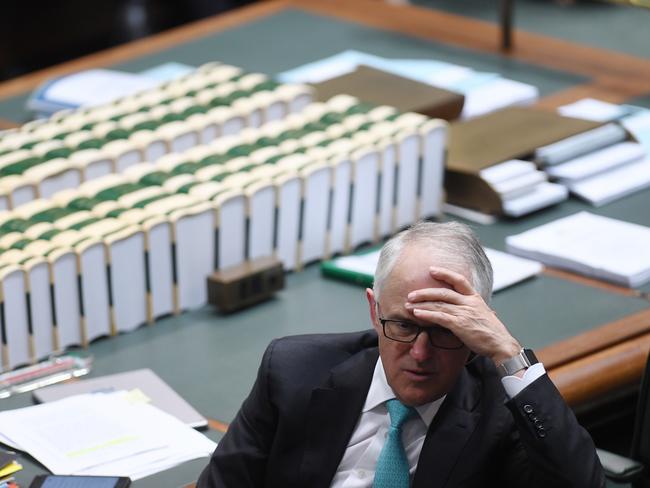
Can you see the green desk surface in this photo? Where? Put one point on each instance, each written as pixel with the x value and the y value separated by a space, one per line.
pixel 268 45
pixel 211 360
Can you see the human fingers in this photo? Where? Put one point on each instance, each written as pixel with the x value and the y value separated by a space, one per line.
pixel 436 306
pixel 435 295
pixel 485 337
pixel 456 280
pixel 443 319
pixel 451 322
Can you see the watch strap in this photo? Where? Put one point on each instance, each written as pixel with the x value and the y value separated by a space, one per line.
pixel 523 360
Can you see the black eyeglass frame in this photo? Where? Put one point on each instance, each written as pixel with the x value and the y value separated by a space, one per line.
pixel 420 329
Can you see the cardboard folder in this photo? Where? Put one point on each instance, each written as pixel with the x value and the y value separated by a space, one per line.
pixel 512 133
pixel 383 88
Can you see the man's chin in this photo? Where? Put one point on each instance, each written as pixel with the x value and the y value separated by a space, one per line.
pixel 417 394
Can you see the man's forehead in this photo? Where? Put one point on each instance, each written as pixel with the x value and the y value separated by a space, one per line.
pixel 401 283
pixel 411 269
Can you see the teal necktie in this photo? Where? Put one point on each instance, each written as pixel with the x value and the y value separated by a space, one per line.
pixel 392 469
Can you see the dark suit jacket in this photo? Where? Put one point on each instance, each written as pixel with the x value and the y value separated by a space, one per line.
pixel 293 428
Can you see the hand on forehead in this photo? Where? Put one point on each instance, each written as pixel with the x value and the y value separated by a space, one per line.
pixel 448 286
pixel 423 268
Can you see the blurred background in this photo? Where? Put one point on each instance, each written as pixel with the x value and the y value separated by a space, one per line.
pixel 38 34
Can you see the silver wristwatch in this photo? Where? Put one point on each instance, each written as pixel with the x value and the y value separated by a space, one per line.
pixel 524 359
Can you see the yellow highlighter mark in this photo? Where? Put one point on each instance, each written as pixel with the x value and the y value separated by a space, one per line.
pixel 111 443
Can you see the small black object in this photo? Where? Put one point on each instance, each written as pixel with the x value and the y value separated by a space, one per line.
pixel 65 481
pixel 240 286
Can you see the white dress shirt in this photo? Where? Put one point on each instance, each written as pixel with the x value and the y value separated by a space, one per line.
pixel 357 468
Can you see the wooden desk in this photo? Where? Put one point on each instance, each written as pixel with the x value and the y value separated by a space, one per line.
pixel 593 344
pixel 581 71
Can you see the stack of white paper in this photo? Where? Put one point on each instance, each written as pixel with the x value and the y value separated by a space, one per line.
pixel 638 124
pixel 112 434
pixel 606 174
pixel 592 245
pixel 522 188
pixel 597 162
pixel 495 94
pixel 592 109
pixel 579 144
pixel 614 184
pixel 599 165
pixel 509 270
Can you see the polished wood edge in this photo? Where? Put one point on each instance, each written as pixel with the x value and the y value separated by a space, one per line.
pixel 615 70
pixel 621 75
pixel 611 370
pixel 595 340
pixel 149 45
pixel 8 124
pixel 218 425
pixel 592 282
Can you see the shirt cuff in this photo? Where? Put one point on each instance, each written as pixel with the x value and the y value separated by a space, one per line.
pixel 514 384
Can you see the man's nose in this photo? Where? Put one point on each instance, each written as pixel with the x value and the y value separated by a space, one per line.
pixel 421 349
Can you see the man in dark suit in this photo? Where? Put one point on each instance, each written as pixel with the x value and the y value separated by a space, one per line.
pixel 438 394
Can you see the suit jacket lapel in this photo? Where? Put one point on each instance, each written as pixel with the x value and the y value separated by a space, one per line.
pixel 332 415
pixel 448 433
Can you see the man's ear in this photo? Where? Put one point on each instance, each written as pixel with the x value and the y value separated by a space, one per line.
pixel 372 307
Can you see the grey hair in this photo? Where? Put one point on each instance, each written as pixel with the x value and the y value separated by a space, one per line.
pixel 455 242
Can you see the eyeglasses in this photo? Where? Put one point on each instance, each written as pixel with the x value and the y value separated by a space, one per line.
pixel 408 332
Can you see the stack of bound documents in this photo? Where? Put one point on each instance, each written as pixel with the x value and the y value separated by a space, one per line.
pixel 599 165
pixel 606 163
pixel 521 187
pixel 600 247
pixel 486 168
pixel 212 170
pixel 111 434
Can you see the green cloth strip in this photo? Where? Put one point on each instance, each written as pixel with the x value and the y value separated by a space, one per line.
pixel 52 214
pixel 19 167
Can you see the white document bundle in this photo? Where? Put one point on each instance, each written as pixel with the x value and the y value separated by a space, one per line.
pixel 589 244
pixel 602 165
pixel 111 434
pixel 522 188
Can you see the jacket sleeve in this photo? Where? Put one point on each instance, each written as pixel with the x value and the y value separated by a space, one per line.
pixel 240 459
pixel 548 447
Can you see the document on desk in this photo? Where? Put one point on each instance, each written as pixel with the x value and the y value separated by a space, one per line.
pixel 144 380
pixel 102 434
pixel 589 244
pixel 612 185
pixel 497 93
pixel 580 144
pixel 510 270
pixel 597 162
pixel 592 109
pixel 542 195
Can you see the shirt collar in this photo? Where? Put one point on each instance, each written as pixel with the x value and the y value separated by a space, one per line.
pixel 380 392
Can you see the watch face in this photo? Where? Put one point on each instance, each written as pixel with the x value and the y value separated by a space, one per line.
pixel 530 355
